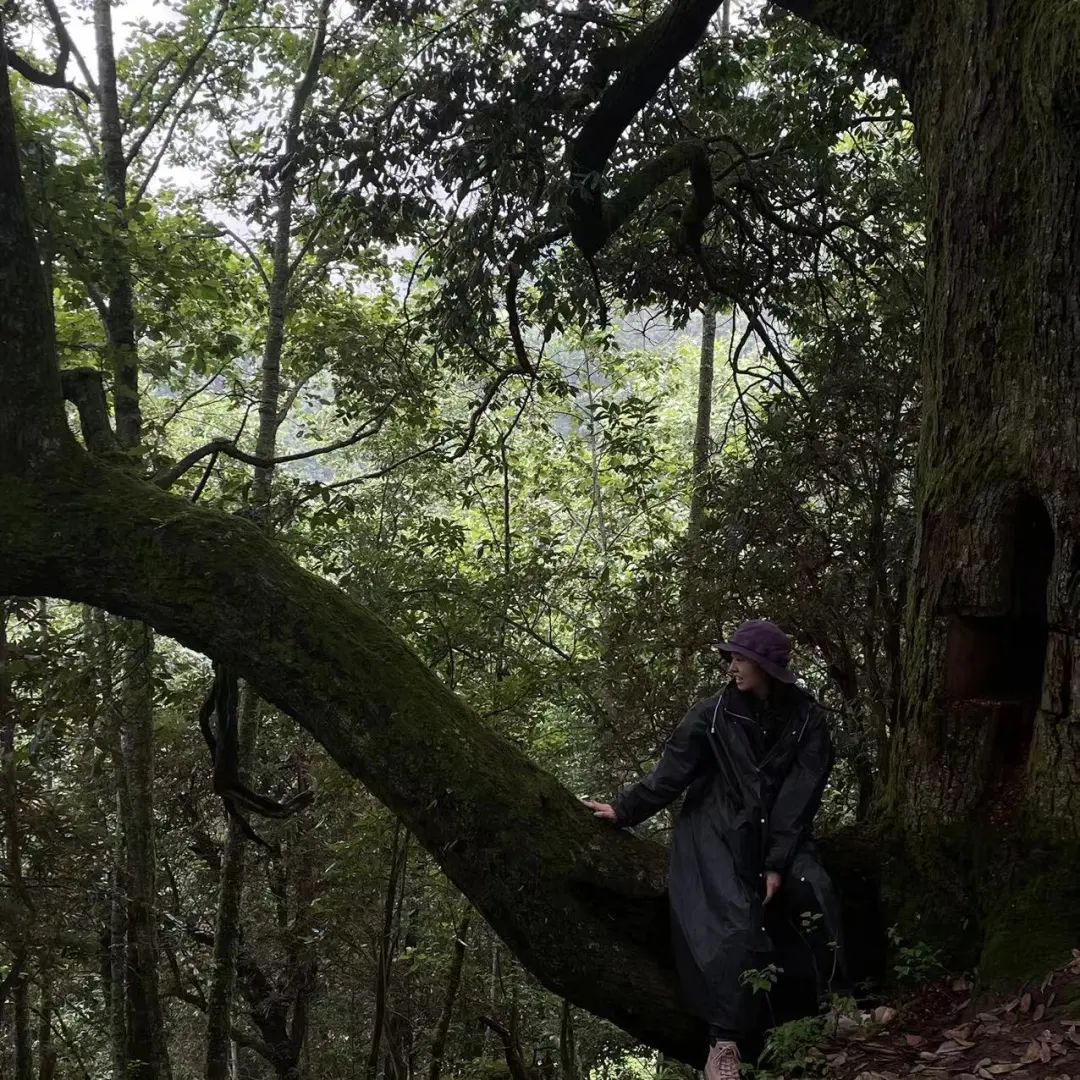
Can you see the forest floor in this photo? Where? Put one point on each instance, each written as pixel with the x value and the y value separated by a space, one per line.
pixel 943 1033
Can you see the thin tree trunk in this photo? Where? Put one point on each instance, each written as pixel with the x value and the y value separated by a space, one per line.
pixel 391 914
pixel 281 270
pixel 20 987
pixel 703 425
pixel 302 959
pixel 115 813
pixel 9 776
pixel 453 984
pixel 147 1053
pixel 120 313
pixel 220 1051
pixel 46 1049
pixel 24 1049
pixel 230 887
pixel 118 968
pixel 568 1060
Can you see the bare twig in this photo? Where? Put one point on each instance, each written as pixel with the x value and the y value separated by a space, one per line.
pixel 228 447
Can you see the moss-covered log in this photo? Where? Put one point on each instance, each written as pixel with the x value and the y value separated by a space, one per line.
pixel 582 905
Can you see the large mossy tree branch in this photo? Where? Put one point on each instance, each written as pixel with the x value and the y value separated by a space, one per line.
pixel 646 62
pixel 644 65
pixel 584 907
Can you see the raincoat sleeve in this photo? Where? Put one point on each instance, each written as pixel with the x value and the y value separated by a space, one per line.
pixel 681 762
pixel 800 794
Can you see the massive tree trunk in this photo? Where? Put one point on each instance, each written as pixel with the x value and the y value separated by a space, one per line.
pixel 986 766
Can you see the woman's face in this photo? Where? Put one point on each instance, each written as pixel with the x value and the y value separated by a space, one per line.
pixel 748 676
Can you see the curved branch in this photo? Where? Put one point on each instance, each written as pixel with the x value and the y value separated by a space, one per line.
pixel 881 26
pixel 56 80
pixel 581 905
pixel 649 59
pixel 228 447
pixel 645 64
pixel 68 46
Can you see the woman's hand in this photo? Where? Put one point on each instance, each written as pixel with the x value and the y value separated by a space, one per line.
pixel 604 811
pixel 773 881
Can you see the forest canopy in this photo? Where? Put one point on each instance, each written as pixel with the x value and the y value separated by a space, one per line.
pixel 451 379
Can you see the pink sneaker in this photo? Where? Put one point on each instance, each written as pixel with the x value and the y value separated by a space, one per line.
pixel 723 1061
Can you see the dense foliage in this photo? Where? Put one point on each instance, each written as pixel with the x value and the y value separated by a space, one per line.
pixel 508 426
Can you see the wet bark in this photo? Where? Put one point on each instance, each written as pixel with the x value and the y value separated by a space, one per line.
pixel 31 418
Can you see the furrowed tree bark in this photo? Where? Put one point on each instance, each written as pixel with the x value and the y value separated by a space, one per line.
pixel 986 767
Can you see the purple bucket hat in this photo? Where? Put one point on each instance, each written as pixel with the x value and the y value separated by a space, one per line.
pixel 764 643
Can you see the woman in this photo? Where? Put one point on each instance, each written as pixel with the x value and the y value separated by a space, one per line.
pixel 753 761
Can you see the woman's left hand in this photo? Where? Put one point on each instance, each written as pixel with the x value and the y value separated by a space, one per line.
pixel 604 811
pixel 773 881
